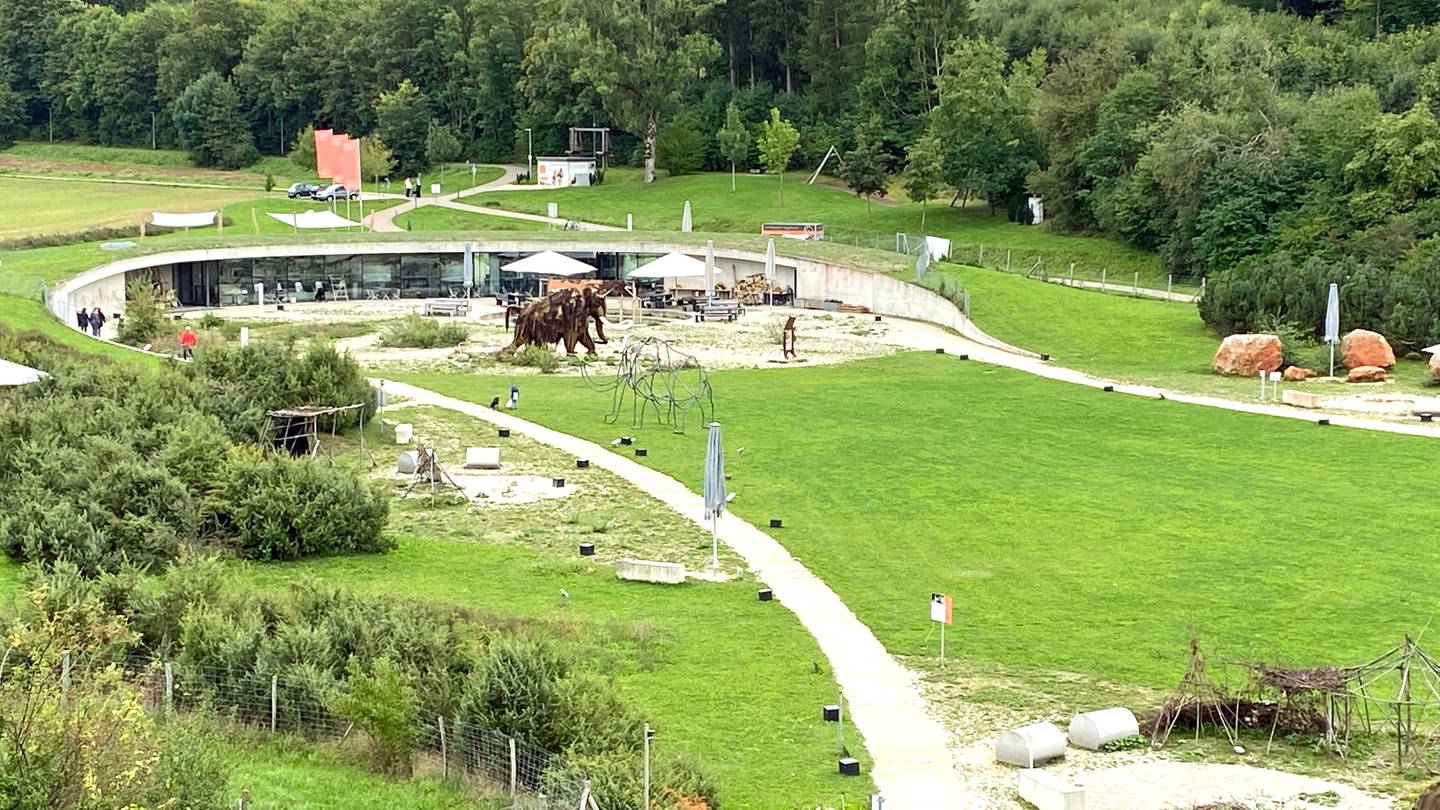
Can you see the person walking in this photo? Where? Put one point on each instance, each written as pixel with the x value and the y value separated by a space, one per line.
pixel 97 320
pixel 82 320
pixel 407 188
pixel 187 344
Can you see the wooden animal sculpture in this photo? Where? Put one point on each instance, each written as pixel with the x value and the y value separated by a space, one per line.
pixel 787 338
pixel 563 315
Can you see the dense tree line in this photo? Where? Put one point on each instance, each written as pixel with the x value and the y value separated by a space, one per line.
pixel 1223 136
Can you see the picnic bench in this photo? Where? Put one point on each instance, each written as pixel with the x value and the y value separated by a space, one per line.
pixel 453 307
pixel 727 309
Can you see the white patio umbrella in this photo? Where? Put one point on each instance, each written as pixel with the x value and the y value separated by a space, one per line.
pixel 1332 323
pixel 16 374
pixel 671 265
pixel 714 490
pixel 685 221
pixel 769 269
pixel 548 263
pixel 468 269
pixel 710 269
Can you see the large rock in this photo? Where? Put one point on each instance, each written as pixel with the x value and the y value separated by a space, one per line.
pixel 1297 374
pixel 1434 373
pixel 1365 348
pixel 1247 355
pixel 1366 374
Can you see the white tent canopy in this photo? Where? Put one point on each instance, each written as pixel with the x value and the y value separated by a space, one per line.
pixel 671 265
pixel 16 374
pixel 200 219
pixel 548 263
pixel 314 219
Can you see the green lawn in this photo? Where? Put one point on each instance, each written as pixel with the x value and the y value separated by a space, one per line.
pixel 714 207
pixel 1077 530
pixel 29 315
pixel 286 773
pixel 435 218
pixel 1139 340
pixel 40 207
pixel 735 682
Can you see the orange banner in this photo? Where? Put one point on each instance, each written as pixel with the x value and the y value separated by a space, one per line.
pixel 347 163
pixel 322 153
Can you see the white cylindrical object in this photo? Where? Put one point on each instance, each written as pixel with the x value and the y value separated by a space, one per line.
pixel 408 462
pixel 404 432
pixel 1028 746
pixel 244 335
pixel 1094 729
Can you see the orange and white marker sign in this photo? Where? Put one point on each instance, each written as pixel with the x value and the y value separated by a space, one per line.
pixel 940 610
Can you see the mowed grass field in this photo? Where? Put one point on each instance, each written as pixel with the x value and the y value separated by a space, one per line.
pixel 847 219
pixel 1077 530
pixel 34 207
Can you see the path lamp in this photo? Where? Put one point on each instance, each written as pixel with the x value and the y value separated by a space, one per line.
pixel 649 733
pixel 530 154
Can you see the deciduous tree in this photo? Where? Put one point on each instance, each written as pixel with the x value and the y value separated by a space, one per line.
pixel 777 142
pixel 734 140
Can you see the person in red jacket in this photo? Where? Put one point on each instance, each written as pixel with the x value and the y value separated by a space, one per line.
pixel 187 344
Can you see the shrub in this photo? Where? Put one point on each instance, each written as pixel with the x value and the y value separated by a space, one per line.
pixel 416 332
pixel 514 691
pixel 381 702
pixel 144 319
pixel 540 357
pixel 279 508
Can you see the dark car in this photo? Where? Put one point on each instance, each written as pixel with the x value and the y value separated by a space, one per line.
pixel 298 190
pixel 335 191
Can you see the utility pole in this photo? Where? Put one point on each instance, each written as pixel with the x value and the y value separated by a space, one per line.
pixel 152 129
pixel 530 153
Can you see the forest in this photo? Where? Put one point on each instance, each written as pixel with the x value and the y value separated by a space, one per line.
pixel 1273 147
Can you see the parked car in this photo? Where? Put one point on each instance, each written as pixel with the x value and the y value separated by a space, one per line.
pixel 335 191
pixel 298 190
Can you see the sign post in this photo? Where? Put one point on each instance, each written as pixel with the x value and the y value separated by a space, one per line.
pixel 941 611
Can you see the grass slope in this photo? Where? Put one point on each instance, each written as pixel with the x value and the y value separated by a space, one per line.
pixel 729 680
pixel 287 773
pixel 435 218
pixel 847 219
pixel 38 207
pixel 1077 530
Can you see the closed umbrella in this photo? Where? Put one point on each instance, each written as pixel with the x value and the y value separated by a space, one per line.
pixel 685 223
pixel 468 269
pixel 769 269
pixel 714 489
pixel 1332 323
pixel 710 269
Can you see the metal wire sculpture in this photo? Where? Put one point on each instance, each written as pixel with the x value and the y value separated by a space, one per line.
pixel 659 379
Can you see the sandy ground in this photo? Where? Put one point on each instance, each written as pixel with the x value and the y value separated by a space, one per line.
pixel 1119 781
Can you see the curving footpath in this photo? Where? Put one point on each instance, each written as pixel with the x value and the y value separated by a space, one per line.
pixel 384 220
pixel 912 762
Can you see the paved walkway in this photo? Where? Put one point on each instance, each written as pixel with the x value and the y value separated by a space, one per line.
pixel 910 750
pixel 384 220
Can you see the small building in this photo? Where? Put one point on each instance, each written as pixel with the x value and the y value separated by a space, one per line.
pixel 794 230
pixel 565 171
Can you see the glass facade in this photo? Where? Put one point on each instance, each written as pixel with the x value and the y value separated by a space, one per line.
pixel 229 282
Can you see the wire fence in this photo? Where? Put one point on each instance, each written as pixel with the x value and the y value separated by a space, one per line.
pixel 296 704
pixel 1056 267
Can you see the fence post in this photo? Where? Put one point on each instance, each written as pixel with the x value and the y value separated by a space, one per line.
pixel 444 753
pixel 1071 277
pixel 981 261
pixel 65 672
pixel 1169 284
pixel 1137 283
pixel 513 769
pixel 169 688
pixel 1103 271
pixel 244 800
pixel 274 699
pixel 1007 260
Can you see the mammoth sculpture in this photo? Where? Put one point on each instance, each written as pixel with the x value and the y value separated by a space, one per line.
pixel 563 315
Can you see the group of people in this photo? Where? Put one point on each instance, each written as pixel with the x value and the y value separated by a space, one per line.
pixel 92 320
pixel 412 188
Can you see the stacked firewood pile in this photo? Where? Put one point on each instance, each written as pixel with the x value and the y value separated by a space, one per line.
pixel 752 289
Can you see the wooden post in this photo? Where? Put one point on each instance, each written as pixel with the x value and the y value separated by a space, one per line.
pixel 244 800
pixel 1103 271
pixel 444 753
pixel 274 700
pixel 981 260
pixel 169 688
pixel 255 221
pixel 513 769
pixel 1007 260
pixel 65 672
pixel 1169 284
pixel 1071 277
pixel 1137 283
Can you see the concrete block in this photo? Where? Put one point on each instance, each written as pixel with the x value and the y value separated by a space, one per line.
pixel 650 571
pixel 1300 399
pixel 1047 791
pixel 1093 730
pixel 482 458
pixel 1028 746
pixel 404 432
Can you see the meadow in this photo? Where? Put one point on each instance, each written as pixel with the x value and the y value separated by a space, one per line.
pixel 847 218
pixel 34 207
pixel 1078 531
